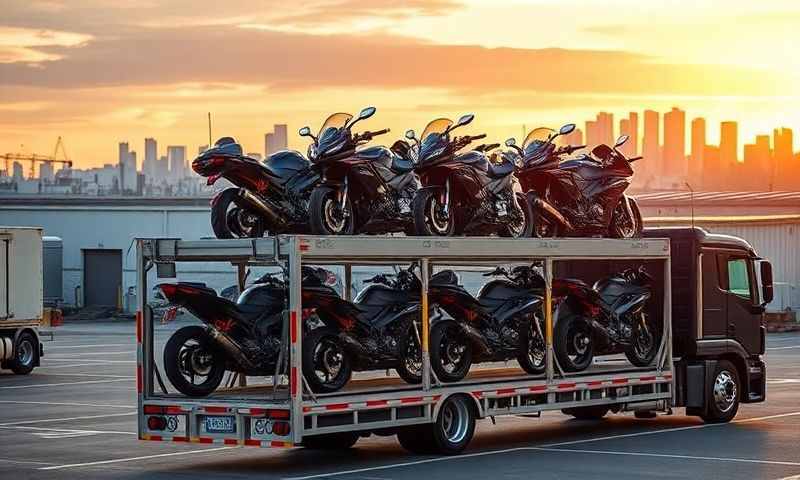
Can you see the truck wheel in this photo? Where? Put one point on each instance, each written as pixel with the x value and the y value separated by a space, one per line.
pixel 416 439
pixel 595 412
pixel 26 354
pixel 450 351
pixel 331 441
pixel 573 343
pixel 448 435
pixel 722 396
pixel 192 364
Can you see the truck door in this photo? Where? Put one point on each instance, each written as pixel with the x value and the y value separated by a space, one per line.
pixel 714 302
pixel 744 321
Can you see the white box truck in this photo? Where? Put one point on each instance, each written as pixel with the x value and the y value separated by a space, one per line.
pixel 20 298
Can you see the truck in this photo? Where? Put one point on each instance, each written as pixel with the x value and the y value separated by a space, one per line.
pixel 710 292
pixel 21 292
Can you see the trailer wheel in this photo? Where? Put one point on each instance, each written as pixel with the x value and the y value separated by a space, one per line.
pixel 454 426
pixel 722 396
pixel 331 441
pixel 416 439
pixel 595 412
pixel 26 354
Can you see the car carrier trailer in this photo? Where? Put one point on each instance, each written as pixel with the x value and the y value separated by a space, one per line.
pixel 440 417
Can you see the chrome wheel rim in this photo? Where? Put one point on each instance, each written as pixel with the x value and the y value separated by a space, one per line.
pixel 725 391
pixel 536 348
pixel 25 353
pixel 643 343
pixel 194 361
pixel 328 360
pixel 438 220
pixel 624 222
pixel 455 421
pixel 334 216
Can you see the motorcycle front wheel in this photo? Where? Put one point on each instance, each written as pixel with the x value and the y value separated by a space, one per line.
pixel 326 365
pixel 228 220
pixel 532 349
pixel 430 220
pixel 450 351
pixel 192 364
pixel 327 214
pixel 644 342
pixel 573 343
pixel 624 225
pixel 410 360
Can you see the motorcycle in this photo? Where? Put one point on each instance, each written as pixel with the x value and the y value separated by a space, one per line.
pixel 269 197
pixel 609 316
pixel 362 191
pixel 378 330
pixel 465 193
pixel 504 322
pixel 579 197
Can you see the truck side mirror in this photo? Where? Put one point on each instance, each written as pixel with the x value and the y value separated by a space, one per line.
pixel 767 290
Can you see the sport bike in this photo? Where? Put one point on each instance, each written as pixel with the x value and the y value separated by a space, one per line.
pixel 378 330
pixel 504 322
pixel 465 193
pixel 367 190
pixel 579 197
pixel 604 318
pixel 269 196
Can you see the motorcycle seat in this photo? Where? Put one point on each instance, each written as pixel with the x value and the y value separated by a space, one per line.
pixel 500 170
pixel 445 277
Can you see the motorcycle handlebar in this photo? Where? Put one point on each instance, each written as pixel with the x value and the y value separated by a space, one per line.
pixel 476 137
pixel 633 159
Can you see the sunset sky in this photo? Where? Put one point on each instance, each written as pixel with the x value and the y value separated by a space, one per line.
pixel 98 74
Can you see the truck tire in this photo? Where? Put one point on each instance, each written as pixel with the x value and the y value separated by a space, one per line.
pixel 448 435
pixel 331 441
pixel 26 354
pixel 595 412
pixel 723 394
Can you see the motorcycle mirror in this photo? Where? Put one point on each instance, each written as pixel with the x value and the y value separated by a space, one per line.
pixel 511 142
pixel 567 129
pixel 366 113
pixel 465 119
pixel 304 132
pixel 621 141
pixel 410 134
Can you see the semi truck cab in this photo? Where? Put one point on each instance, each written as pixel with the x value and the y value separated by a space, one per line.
pixel 720 288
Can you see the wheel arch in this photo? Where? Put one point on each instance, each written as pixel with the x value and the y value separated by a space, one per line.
pixel 472 400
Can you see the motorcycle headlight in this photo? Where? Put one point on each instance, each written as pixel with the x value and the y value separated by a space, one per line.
pixel 334 147
pixel 433 153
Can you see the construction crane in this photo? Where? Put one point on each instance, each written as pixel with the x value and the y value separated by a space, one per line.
pixel 35 158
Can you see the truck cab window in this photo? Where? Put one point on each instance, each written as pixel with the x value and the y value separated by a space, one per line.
pixel 738 277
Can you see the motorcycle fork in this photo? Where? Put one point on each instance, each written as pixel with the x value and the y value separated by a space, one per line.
pixel 445 198
pixel 343 197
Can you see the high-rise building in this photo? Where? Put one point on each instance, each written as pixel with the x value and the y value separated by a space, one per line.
pixel 281 137
pixel 674 162
pixel 650 146
pixel 17 171
pixel 46 172
pixel 605 126
pixel 269 144
pixel 786 168
pixel 150 158
pixel 697 152
pixel 630 127
pixel 162 170
pixel 574 138
pixel 713 179
pixel 177 162
pixel 757 164
pixel 592 134
pixel 728 151
pixel 122 162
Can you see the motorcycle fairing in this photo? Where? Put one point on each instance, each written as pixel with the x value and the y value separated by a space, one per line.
pixel 285 164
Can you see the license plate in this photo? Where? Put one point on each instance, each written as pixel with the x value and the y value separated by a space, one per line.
pixel 220 425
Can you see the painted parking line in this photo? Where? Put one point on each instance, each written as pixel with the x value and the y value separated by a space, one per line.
pixel 67 419
pixel 97 345
pixel 91 361
pixel 665 455
pixel 48 431
pixel 100 375
pixel 84 382
pixel 783 348
pixel 67 404
pixel 24 462
pixel 71 355
pixel 134 459
pixel 782 381
pixel 548 446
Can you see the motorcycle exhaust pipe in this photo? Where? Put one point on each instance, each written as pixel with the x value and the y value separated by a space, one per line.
pixel 352 345
pixel 259 206
pixel 475 337
pixel 231 348
pixel 551 212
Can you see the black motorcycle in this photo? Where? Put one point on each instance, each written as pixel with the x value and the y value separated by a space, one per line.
pixel 609 316
pixel 269 197
pixel 504 322
pixel 579 197
pixel 242 336
pixel 379 330
pixel 465 193
pixel 362 191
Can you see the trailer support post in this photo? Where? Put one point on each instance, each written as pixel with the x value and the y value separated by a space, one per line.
pixel 426 327
pixel 295 338
pixel 548 317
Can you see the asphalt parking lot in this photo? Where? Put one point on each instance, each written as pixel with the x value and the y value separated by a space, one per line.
pixel 75 417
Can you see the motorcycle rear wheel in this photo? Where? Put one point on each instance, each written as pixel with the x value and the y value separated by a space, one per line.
pixel 323 353
pixel 327 216
pixel 228 220
pixel 450 351
pixel 190 353
pixel 573 343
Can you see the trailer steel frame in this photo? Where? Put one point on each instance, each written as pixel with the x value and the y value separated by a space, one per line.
pixel 378 409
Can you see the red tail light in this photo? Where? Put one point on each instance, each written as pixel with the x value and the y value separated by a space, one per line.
pixel 156 423
pixel 281 429
pixel 169 289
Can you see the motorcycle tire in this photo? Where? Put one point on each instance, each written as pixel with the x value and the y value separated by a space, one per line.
pixel 533 364
pixel 423 226
pixel 527 222
pixel 319 213
pixel 224 219
pixel 325 337
pixel 617 230
pixel 174 358
pixel 564 343
pixel 639 358
pixel 443 335
pixel 408 374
